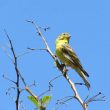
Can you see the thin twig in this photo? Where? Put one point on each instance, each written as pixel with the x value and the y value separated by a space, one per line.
pixel 64 99
pixel 97 97
pixel 50 82
pixel 13 98
pixel 22 54
pixel 5 77
pixel 50 85
pixel 79 84
pixel 33 49
pixel 22 105
pixel 10 57
pixel 9 89
pixel 87 97
pixel 30 50
pixel 45 28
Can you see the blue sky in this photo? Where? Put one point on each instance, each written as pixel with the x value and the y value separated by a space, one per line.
pixel 88 22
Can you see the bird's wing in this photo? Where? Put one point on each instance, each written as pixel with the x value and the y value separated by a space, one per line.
pixel 70 54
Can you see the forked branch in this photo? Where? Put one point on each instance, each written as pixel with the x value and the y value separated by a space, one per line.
pixel 72 84
pixel 19 76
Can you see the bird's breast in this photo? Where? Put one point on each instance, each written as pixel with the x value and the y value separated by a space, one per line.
pixel 59 52
pixel 62 57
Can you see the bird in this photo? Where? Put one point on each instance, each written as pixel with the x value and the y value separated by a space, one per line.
pixel 67 56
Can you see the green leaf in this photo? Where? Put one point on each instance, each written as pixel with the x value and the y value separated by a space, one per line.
pixel 46 100
pixel 34 101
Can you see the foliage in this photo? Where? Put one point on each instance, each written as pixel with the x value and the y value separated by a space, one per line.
pixel 42 103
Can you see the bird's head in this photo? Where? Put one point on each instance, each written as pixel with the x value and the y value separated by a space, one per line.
pixel 63 37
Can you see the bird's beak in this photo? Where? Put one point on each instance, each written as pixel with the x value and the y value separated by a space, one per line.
pixel 69 37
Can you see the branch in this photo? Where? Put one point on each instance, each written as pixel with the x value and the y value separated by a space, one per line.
pixel 72 85
pixel 14 99
pixel 41 35
pixel 65 99
pixel 31 93
pixel 98 97
pixel 16 69
pixel 15 59
pixel 5 51
pixel 50 82
pixel 62 101
pixel 18 74
pixel 5 77
pixel 50 85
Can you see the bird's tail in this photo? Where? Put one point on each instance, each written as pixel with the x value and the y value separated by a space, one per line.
pixel 82 74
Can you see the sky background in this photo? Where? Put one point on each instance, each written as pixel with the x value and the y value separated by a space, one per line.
pixel 88 22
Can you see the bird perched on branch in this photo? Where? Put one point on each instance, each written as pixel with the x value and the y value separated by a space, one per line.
pixel 68 57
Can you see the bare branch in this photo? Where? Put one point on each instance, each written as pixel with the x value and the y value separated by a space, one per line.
pixel 65 99
pixel 13 98
pixel 22 105
pixel 87 97
pixel 10 57
pixel 45 28
pixel 50 82
pixel 33 49
pixel 18 74
pixel 41 35
pixel 72 85
pixel 15 59
pixel 9 89
pixel 31 93
pixel 62 101
pixel 97 97
pixel 5 77
pixel 33 84
pixel 50 85
pixel 22 54
pixel 11 46
pixel 30 50
pixel 79 84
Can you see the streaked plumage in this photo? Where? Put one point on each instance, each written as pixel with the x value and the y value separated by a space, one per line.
pixel 67 56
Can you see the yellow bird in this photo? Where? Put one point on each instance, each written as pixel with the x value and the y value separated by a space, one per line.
pixel 68 57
